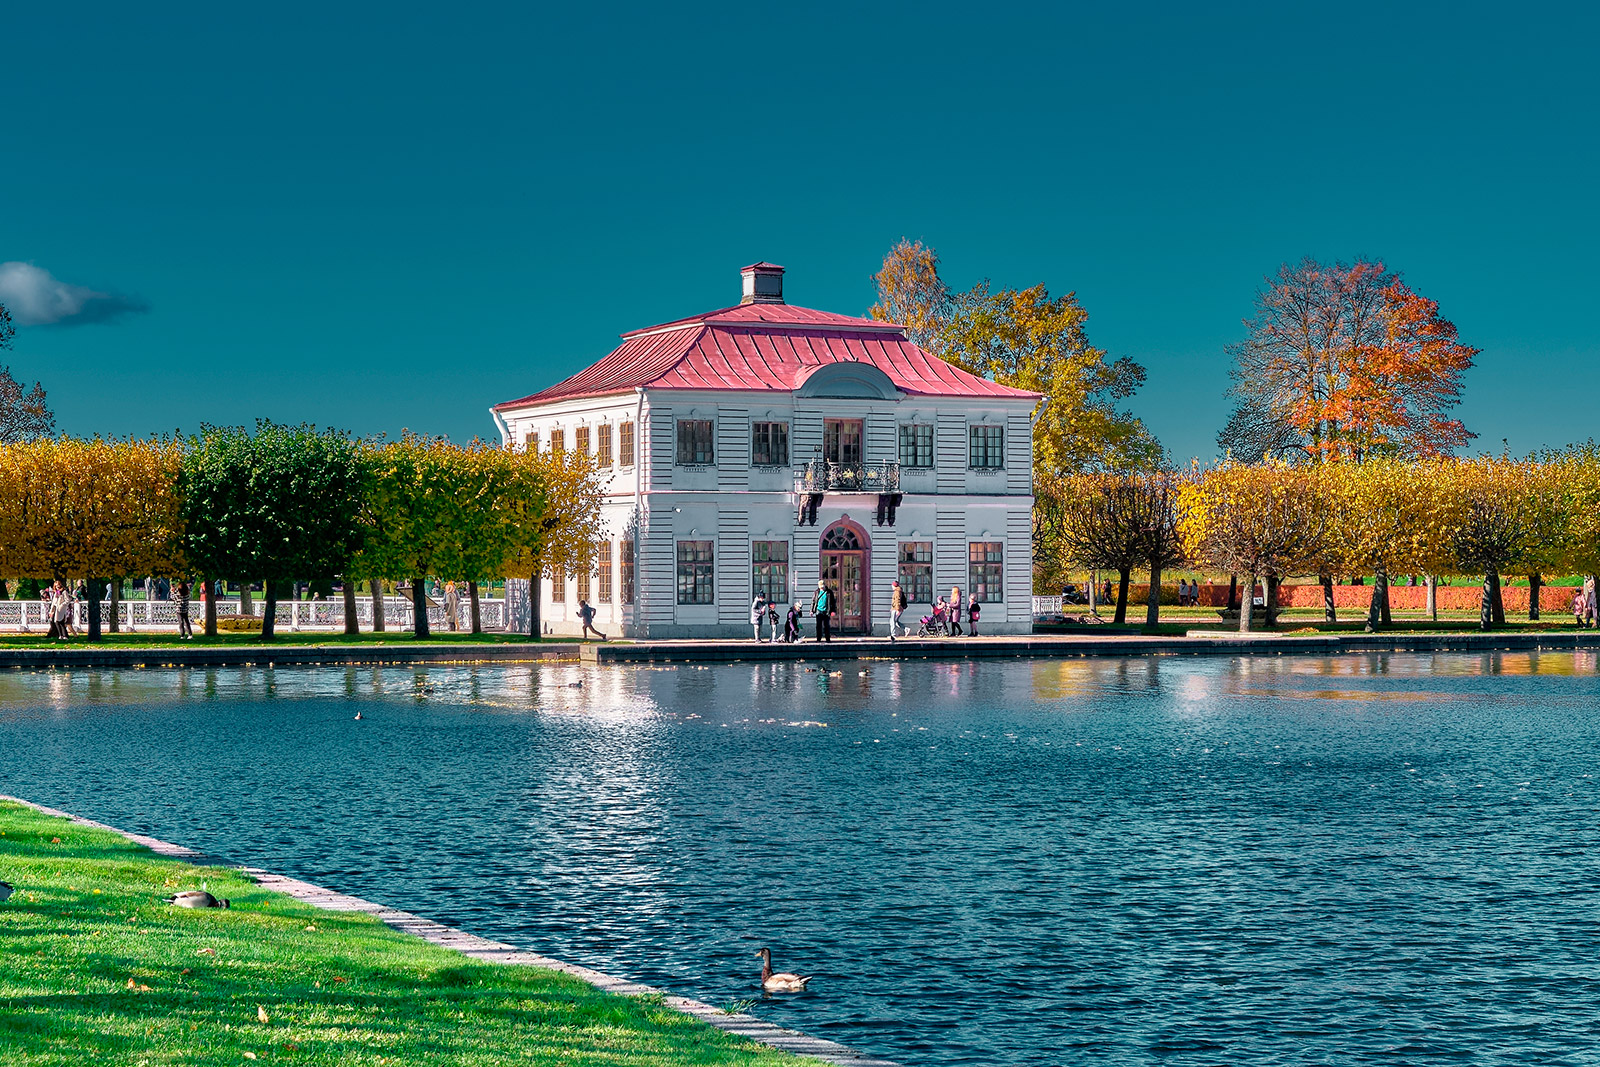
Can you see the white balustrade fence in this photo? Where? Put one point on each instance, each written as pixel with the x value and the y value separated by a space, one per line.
pixel 135 616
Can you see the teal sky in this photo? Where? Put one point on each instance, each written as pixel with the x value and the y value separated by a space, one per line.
pixel 381 219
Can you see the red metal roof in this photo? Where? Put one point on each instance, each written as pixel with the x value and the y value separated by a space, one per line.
pixel 764 347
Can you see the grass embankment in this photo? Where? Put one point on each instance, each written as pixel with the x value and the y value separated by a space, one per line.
pixel 97 969
pixel 284 636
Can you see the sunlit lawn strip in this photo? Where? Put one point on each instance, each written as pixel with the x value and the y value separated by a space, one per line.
pixel 97 969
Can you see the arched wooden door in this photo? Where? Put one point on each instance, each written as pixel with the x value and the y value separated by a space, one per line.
pixel 842 564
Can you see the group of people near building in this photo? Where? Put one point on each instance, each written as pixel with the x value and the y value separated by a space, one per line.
pixel 947 617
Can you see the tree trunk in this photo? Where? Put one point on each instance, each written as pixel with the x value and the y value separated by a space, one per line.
pixel 1535 582
pixel 1498 602
pixel 1122 596
pixel 1233 591
pixel 210 602
pixel 246 606
pixel 1152 608
pixel 1376 608
pixel 1491 586
pixel 1272 601
pixel 269 612
pixel 377 605
pixel 1247 605
pixel 113 623
pixel 352 621
pixel 419 609
pixel 533 605
pixel 1330 612
pixel 473 608
pixel 1433 597
pixel 94 609
pixel 1383 597
pixel 4 595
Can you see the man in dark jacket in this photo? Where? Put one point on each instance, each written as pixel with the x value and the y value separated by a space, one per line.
pixel 822 605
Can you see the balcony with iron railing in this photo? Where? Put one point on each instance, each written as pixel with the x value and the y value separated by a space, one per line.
pixel 826 476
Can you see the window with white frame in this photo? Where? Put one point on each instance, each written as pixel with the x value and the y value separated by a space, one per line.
pixel 769 444
pixel 916 444
pixel 916 571
pixel 625 443
pixel 603 453
pixel 988 447
pixel 625 554
pixel 580 442
pixel 558 441
pixel 603 592
pixel 696 571
pixel 986 571
pixel 558 588
pixel 530 441
pixel 769 571
pixel 694 443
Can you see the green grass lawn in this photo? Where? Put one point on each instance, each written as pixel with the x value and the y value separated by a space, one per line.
pixel 284 636
pixel 96 969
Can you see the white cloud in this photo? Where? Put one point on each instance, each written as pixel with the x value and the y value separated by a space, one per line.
pixel 35 297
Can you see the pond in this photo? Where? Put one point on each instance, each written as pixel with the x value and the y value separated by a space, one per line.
pixel 1191 861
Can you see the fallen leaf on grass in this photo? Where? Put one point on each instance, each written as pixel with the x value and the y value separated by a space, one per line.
pixel 261 1013
pixel 137 987
pixel 206 952
pixel 249 1055
pixel 55 840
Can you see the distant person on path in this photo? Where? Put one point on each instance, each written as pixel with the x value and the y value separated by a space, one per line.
pixel 897 606
pixel 1589 595
pixel 758 612
pixel 972 615
pixel 452 604
pixel 822 607
pixel 47 599
pixel 586 613
pixel 1580 610
pixel 185 632
pixel 61 602
pixel 955 611
pixel 791 625
pixel 1106 594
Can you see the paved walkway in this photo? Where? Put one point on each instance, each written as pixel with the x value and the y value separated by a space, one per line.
pixel 746 1026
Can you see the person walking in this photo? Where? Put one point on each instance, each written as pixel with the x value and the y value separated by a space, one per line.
pixel 586 614
pixel 955 611
pixel 897 606
pixel 185 631
pixel 791 625
pixel 61 602
pixel 1589 605
pixel 758 611
pixel 822 607
pixel 972 615
pixel 1580 609
pixel 452 604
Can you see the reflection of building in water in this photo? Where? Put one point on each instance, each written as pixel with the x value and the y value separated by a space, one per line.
pixel 759 448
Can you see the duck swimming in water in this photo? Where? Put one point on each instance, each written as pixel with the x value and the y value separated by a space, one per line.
pixel 782 982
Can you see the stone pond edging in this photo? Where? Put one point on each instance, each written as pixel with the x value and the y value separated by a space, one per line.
pixel 478 948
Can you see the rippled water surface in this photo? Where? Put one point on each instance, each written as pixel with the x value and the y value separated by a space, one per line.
pixel 1186 861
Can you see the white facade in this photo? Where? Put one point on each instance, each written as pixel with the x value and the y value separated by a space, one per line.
pixel 964 520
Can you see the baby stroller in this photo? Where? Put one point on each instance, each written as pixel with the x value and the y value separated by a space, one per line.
pixel 935 625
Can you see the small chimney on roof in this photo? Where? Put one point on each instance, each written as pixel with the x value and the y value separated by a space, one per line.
pixel 763 284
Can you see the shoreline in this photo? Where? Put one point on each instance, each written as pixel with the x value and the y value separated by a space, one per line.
pixel 472 946
pixel 622 653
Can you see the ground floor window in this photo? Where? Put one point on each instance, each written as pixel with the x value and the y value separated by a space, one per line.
pixel 916 571
pixel 558 588
pixel 625 550
pixel 605 572
pixel 985 571
pixel 583 586
pixel 769 571
pixel 696 567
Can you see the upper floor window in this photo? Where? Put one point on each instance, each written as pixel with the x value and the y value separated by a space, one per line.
pixel 916 444
pixel 604 452
pixel 625 443
pixel 694 442
pixel 580 443
pixel 841 441
pixel 558 441
pixel 988 447
pixel 530 441
pixel 769 444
